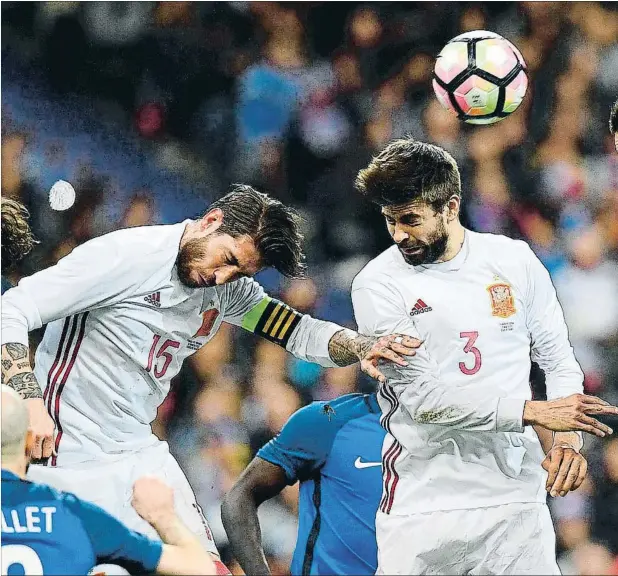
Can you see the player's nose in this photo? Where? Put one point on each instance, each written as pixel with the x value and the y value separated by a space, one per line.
pixel 399 235
pixel 225 275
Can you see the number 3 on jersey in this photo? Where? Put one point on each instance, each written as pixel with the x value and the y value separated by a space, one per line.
pixel 154 356
pixel 470 348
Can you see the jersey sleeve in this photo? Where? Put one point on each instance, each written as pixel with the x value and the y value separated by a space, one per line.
pixel 307 338
pixel 97 273
pixel 418 386
pixel 550 345
pixel 113 542
pixel 303 444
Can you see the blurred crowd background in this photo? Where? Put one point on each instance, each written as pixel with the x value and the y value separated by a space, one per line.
pixel 152 109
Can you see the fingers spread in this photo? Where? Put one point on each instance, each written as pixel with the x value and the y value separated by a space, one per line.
pixel 600 428
pixel 592 400
pixel 368 368
pixel 607 410
pixel 401 349
pixel 410 342
pixel 387 354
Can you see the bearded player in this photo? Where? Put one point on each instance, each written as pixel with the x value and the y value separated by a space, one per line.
pixel 463 485
pixel 124 311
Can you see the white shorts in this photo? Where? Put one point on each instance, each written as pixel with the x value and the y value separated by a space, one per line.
pixel 110 486
pixel 508 539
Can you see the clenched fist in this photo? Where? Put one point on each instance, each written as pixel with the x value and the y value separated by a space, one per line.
pixel 153 500
pixel 41 428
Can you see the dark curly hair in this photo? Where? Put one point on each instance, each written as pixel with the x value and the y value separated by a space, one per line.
pixel 17 239
pixel 274 227
pixel 408 170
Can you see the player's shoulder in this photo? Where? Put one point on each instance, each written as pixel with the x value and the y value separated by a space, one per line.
pixel 499 243
pixel 139 241
pixel 378 273
pixel 35 492
pixel 244 286
pixel 331 415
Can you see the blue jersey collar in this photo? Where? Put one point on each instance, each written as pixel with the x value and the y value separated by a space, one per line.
pixel 10 476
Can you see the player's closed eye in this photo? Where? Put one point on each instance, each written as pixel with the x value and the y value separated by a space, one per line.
pixel 404 221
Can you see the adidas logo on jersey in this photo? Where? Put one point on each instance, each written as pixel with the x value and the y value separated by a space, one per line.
pixel 154 299
pixel 419 308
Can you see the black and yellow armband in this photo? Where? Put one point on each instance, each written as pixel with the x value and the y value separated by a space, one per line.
pixel 273 320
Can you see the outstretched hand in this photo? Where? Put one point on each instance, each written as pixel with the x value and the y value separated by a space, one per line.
pixel 392 347
pixel 573 413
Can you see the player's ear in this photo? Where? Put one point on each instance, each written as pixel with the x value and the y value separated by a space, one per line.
pixel 212 220
pixel 452 208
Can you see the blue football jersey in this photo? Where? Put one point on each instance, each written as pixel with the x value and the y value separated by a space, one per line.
pixel 335 450
pixel 49 532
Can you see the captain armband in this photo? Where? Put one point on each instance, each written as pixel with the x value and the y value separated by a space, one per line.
pixel 273 320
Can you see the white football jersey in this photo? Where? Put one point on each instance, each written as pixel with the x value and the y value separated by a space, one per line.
pixel 454 415
pixel 120 325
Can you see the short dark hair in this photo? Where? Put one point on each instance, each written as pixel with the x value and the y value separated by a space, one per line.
pixel 274 227
pixel 408 170
pixel 17 238
pixel 613 118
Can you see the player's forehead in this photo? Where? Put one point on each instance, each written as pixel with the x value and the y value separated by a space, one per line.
pixel 249 259
pixel 416 208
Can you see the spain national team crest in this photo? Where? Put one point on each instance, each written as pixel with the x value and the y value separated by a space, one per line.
pixel 502 300
pixel 208 321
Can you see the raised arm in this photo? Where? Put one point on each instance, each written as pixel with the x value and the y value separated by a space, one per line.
pixel 95 274
pixel 418 386
pixel 261 481
pixel 324 343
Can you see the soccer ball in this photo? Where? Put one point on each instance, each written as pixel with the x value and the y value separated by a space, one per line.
pixel 481 77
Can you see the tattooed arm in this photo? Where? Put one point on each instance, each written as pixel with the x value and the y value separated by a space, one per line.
pixel 347 347
pixel 313 340
pixel 17 373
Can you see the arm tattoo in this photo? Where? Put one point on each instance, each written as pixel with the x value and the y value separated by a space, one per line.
pixel 347 347
pixel 25 385
pixel 17 351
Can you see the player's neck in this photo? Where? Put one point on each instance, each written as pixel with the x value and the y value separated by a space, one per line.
pixel 17 467
pixel 191 232
pixel 456 238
